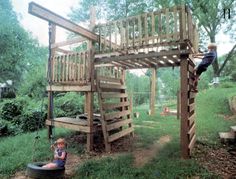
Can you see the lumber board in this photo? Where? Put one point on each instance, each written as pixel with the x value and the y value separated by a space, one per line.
pixel 114 95
pixel 184 109
pixel 120 134
pixel 118 124
pixel 111 86
pixel 192 142
pixel 191 107
pixel 75 127
pixel 68 42
pixel 191 119
pixel 191 68
pixel 109 79
pixel 69 88
pixel 113 115
pixel 192 95
pixel 191 132
pixel 107 106
pixel 52 17
pixel 141 56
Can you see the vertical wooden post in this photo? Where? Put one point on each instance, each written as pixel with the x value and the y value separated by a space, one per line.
pixel 89 96
pixel 184 108
pixel 182 23
pixel 153 92
pixel 178 104
pixel 52 39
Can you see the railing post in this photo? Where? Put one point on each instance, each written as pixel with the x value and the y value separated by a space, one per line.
pixel 182 23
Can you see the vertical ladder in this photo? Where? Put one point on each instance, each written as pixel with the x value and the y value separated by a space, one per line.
pixel 115 109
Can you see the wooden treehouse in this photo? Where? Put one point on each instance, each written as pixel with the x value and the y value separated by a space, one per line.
pixel 165 38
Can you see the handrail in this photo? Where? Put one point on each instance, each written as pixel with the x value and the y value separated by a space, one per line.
pixel 160 28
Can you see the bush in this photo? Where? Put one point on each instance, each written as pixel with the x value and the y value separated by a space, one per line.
pixel 69 104
pixel 233 75
pixel 23 114
pixel 227 84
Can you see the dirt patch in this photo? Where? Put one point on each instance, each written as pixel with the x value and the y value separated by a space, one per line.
pixel 228 117
pixel 219 160
pixel 143 156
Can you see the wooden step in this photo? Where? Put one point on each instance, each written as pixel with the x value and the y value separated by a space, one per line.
pixel 233 129
pixel 226 137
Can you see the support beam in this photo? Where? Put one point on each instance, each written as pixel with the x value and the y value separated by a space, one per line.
pixel 89 108
pixel 68 42
pixel 52 39
pixel 184 108
pixel 52 17
pixel 153 92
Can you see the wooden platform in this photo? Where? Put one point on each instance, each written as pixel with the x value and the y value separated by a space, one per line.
pixel 226 137
pixel 139 59
pixel 73 123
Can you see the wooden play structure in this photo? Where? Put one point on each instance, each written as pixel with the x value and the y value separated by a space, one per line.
pixel 165 38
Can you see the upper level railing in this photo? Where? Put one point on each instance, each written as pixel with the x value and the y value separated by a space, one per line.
pixel 161 28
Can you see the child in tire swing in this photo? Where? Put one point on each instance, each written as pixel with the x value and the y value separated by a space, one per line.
pixel 60 154
pixel 207 60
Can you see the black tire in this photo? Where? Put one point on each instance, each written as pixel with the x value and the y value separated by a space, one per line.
pixel 35 170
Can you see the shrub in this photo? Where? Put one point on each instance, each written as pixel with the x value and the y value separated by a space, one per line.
pixel 69 104
pixel 23 114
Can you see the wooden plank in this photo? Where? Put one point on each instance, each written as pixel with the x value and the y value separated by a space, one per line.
pixel 182 23
pixel 68 42
pixel 69 88
pixel 167 24
pixel 120 134
pixel 191 68
pixel 191 107
pixel 191 120
pixel 191 144
pixel 191 132
pixel 184 109
pixel 176 20
pixel 153 91
pixel 140 30
pixel 192 95
pixel 68 126
pixel 109 79
pixel 113 115
pixel 153 27
pixel 119 124
pixel 111 86
pixel 52 17
pixel 142 56
pixel 107 106
pixel 145 29
pixel 114 95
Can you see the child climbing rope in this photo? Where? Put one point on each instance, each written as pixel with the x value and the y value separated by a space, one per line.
pixel 60 154
pixel 207 59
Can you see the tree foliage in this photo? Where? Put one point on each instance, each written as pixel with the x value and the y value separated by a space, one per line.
pixel 18 50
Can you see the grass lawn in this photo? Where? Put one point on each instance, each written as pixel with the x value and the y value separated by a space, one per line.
pixel 211 105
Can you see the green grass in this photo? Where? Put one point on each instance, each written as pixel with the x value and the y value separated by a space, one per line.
pixel 17 151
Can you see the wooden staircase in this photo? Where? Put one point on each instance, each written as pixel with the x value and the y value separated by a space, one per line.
pixel 115 109
pixel 228 137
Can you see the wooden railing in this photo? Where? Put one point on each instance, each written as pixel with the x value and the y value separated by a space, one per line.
pixel 72 69
pixel 109 71
pixel 160 28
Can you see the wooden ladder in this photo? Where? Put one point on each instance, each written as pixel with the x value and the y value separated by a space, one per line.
pixel 115 109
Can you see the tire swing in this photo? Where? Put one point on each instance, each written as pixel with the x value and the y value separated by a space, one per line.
pixel 35 169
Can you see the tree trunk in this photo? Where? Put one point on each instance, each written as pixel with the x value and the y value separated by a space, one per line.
pixel 215 64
